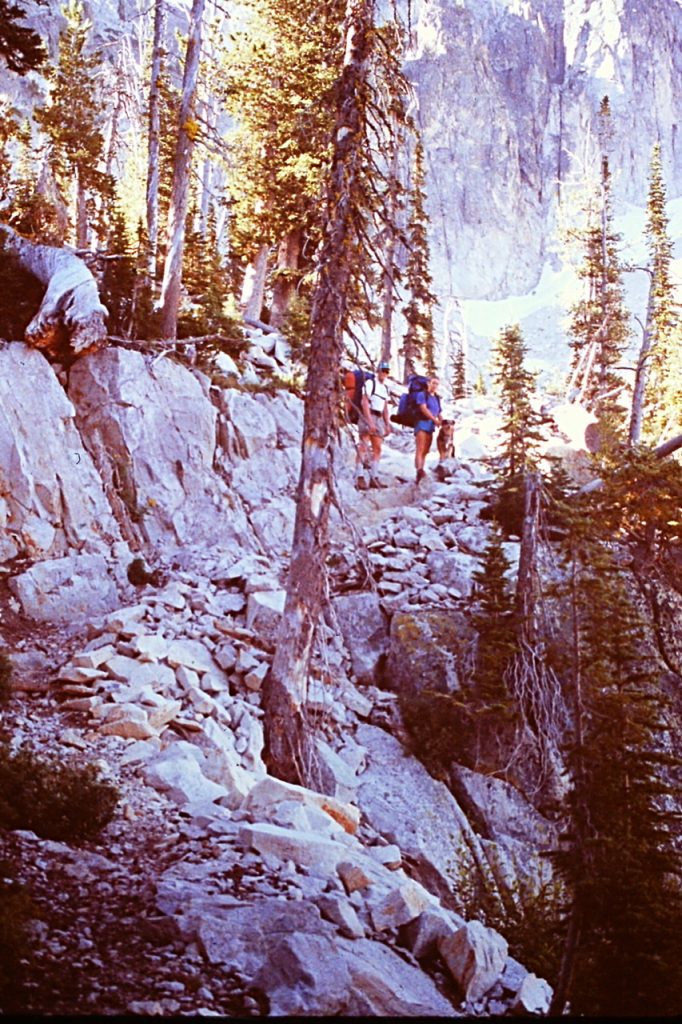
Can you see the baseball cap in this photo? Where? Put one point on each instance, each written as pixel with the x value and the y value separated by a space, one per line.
pixel 383 365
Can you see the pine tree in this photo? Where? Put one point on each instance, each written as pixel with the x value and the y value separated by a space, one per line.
pixel 20 46
pixel 620 859
pixel 493 620
pixel 72 119
pixel 279 77
pixel 418 346
pixel 599 325
pixel 119 278
pixel 657 398
pixel 515 386
pixel 460 387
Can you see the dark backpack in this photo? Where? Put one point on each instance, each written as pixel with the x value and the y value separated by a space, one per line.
pixel 408 413
pixel 355 402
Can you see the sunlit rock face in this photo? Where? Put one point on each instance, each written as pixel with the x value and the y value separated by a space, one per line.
pixel 507 94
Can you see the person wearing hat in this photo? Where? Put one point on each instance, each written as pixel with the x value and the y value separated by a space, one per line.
pixel 374 425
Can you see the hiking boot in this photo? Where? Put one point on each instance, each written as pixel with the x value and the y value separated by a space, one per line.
pixel 361 483
pixel 374 481
pixel 421 473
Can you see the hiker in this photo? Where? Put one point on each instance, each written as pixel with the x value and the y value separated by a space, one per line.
pixel 373 426
pixel 428 403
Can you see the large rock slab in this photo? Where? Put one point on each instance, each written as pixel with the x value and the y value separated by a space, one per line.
pixel 425 651
pixel 66 590
pixel 51 497
pixel 365 632
pixel 152 431
pixel 475 956
pixel 305 967
pixel 402 802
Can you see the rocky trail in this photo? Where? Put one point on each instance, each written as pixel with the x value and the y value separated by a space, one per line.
pixel 216 889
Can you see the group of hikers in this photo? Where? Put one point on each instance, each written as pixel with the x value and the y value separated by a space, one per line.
pixel 368 403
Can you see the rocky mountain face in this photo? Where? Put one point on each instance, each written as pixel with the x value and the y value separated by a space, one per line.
pixel 507 94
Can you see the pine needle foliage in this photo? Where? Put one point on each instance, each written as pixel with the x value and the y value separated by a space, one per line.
pixel 619 857
pixel 493 620
pixel 20 46
pixel 663 393
pixel 73 117
pixel 418 346
pixel 600 328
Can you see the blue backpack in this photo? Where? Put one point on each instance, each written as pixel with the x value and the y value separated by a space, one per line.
pixel 408 413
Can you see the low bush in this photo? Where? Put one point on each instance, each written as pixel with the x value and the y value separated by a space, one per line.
pixel 51 797
pixel 5 678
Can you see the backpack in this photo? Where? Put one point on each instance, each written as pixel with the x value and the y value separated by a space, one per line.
pixel 354 382
pixel 408 413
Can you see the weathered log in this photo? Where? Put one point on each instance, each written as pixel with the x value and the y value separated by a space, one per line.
pixel 71 319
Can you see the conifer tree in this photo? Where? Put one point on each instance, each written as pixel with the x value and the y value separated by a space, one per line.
pixel 657 396
pixel 515 386
pixel 460 388
pixel 20 46
pixel 493 620
pixel 72 119
pixel 599 325
pixel 418 342
pixel 620 859
pixel 278 76
pixel 119 278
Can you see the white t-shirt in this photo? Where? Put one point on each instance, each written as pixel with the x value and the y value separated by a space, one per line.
pixel 377 396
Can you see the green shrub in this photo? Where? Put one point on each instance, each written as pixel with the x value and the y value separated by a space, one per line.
pixel 5 678
pixel 16 911
pixel 53 798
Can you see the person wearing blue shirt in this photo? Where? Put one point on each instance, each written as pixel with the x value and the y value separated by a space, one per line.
pixel 430 409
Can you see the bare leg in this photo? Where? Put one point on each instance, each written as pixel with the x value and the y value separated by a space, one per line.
pixel 423 442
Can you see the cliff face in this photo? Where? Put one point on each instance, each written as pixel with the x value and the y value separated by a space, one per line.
pixel 507 93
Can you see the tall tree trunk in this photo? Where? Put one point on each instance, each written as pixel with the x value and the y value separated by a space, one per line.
pixel 288 744
pixel 177 213
pixel 284 286
pixel 81 214
pixel 253 288
pixel 642 372
pixel 154 147
pixel 388 276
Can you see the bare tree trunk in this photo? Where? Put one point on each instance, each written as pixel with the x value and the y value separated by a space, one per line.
pixel 70 321
pixel 284 286
pixel 253 289
pixel 525 597
pixel 81 214
pixel 177 213
pixel 642 373
pixel 153 169
pixel 388 277
pixel 288 744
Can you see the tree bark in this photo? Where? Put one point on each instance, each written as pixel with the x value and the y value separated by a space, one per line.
pixel 154 123
pixel 71 318
pixel 288 744
pixel 388 276
pixel 284 286
pixel 177 213
pixel 253 289
pixel 637 413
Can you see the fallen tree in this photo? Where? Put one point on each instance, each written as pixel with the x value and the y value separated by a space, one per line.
pixel 71 319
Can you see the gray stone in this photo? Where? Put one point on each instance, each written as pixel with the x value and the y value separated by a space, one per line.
pixel 475 957
pixel 425 651
pixel 66 590
pixel 365 632
pixel 264 613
